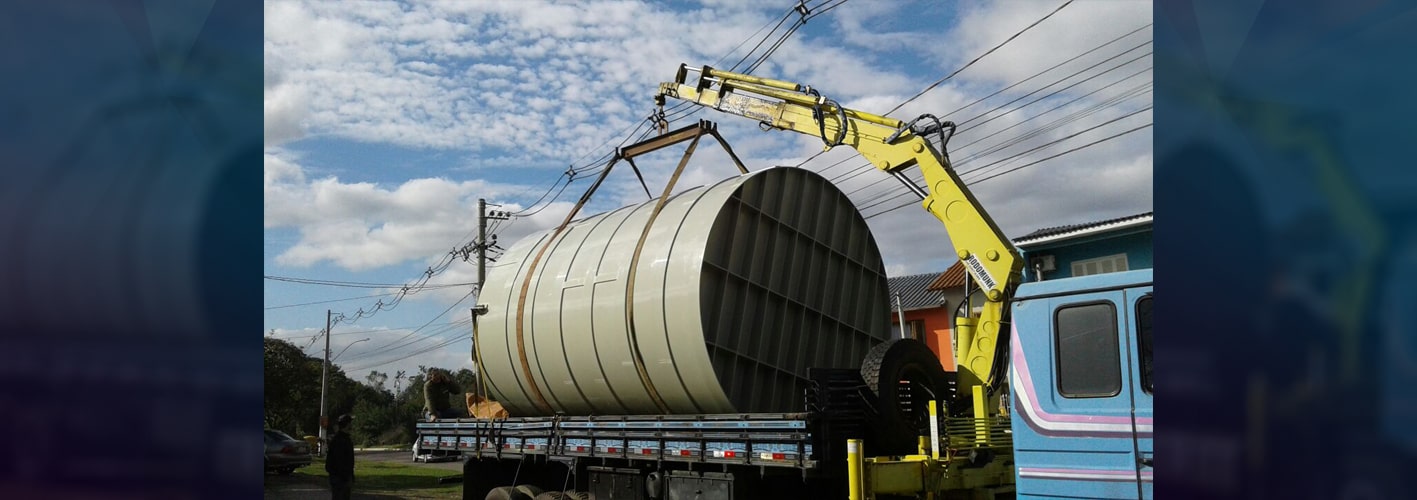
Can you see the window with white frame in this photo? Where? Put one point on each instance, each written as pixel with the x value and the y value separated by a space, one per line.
pixel 1108 264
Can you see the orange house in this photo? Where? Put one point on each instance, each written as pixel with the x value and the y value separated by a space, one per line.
pixel 927 301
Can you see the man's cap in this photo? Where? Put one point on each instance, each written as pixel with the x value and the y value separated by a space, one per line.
pixel 344 419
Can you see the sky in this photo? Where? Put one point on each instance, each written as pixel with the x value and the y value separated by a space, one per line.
pixel 385 122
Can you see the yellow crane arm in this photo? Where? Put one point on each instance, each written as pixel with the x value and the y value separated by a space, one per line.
pixel 893 146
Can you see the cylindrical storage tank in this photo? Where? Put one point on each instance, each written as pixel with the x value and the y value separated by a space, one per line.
pixel 734 291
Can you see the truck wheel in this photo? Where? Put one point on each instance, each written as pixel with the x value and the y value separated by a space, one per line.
pixel 500 493
pixel 905 375
pixel 518 492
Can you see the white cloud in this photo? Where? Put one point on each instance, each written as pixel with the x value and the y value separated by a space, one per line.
pixel 510 84
pixel 362 225
pixel 1073 30
pixel 438 75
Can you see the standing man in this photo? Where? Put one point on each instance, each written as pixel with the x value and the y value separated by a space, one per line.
pixel 339 462
pixel 436 390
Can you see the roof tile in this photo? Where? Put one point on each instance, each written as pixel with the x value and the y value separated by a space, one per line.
pixel 914 291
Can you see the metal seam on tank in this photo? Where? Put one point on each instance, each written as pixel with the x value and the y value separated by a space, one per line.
pixel 663 310
pixel 521 379
pixel 539 401
pixel 664 297
pixel 551 249
pixel 634 342
pixel 566 355
pixel 595 346
pixel 645 235
pixel 508 318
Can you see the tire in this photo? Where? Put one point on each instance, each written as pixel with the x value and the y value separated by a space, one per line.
pixel 902 416
pixel 518 492
pixel 285 471
pixel 500 493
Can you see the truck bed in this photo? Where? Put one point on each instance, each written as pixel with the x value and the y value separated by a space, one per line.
pixel 760 439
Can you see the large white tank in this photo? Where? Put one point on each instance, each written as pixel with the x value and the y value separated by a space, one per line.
pixel 739 288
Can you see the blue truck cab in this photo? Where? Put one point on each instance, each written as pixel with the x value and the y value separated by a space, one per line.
pixel 1080 376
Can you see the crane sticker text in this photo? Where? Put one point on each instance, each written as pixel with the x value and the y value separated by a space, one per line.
pixel 981 274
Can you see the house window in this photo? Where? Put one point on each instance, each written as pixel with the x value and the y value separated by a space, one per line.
pixel 1086 342
pixel 1108 264
pixel 913 329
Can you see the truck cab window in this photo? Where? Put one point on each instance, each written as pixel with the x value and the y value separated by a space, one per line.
pixel 1088 361
pixel 1144 340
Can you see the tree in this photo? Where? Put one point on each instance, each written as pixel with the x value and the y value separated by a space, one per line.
pixel 466 379
pixel 376 380
pixel 292 381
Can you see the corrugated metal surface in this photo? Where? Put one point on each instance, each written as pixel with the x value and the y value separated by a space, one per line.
pixel 739 287
pixel 1079 229
pixel 915 292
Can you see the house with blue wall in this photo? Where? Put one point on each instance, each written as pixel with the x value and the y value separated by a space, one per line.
pixel 1113 245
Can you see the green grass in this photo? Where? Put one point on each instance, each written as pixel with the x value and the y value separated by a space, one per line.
pixel 393 479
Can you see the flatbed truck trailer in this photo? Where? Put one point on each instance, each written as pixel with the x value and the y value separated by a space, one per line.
pixel 1078 422
pixel 1052 396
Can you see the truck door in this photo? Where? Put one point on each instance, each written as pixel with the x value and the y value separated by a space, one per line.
pixel 1140 339
pixel 1074 432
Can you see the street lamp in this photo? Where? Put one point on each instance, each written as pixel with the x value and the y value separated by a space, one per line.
pixel 346 348
pixel 325 380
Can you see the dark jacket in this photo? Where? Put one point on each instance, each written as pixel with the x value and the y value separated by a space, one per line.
pixel 339 462
pixel 435 394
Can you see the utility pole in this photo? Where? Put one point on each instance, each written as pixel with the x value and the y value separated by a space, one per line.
pixel 901 312
pixel 325 382
pixel 481 243
pixel 481 247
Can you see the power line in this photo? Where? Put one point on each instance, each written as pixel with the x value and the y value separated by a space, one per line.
pixel 1056 92
pixel 1055 108
pixel 391 345
pixel 331 300
pixel 981 56
pixel 353 284
pixel 391 329
pixel 886 199
pixel 965 130
pixel 1051 126
pixel 1064 138
pixel 785 16
pixel 1056 66
pixel 1079 148
pixel 410 355
pixel 1029 165
pixel 957 71
pixel 373 355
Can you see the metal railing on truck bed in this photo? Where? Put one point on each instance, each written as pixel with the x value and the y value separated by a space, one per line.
pixel 764 439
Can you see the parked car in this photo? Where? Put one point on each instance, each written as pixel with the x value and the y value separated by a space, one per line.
pixel 284 454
